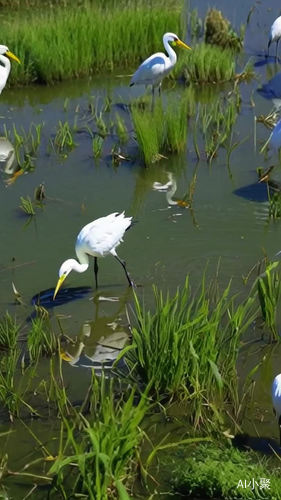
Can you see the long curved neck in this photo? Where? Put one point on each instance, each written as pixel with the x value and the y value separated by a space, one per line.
pixel 6 63
pixel 170 194
pixel 170 51
pixel 83 263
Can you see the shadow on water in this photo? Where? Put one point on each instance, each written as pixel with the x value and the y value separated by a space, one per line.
pixel 253 192
pixel 65 295
pixel 263 445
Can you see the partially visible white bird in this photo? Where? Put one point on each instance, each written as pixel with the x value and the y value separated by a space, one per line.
pixel 5 66
pixel 98 238
pixel 156 67
pixel 275 34
pixel 276 400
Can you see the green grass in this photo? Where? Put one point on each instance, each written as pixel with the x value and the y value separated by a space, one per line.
pixel 41 339
pixel 269 292
pixel 207 64
pixel 97 454
pixel 162 131
pixel 213 471
pixel 26 144
pixel 9 330
pixel 188 347
pixel 56 44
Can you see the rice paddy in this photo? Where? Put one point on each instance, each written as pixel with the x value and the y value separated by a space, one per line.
pixel 99 388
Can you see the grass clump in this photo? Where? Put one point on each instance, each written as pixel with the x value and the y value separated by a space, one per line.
pixel 207 64
pixel 9 330
pixel 211 471
pixel 189 346
pixel 269 291
pixel 41 339
pixel 162 131
pixel 218 31
pixel 98 453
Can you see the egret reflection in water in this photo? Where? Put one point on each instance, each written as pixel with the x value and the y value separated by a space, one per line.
pixel 7 156
pixel 272 90
pixel 102 339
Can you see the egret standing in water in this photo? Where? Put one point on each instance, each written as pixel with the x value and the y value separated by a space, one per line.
pixel 156 67
pixel 5 66
pixel 99 238
pixel 276 400
pixel 275 34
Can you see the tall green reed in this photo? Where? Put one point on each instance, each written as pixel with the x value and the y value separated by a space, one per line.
pixel 56 44
pixel 97 454
pixel 9 330
pixel 189 345
pixel 269 293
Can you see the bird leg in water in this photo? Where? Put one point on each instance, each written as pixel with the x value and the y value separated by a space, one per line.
pixel 96 268
pixel 123 264
pixel 277 41
pixel 279 423
pixel 153 99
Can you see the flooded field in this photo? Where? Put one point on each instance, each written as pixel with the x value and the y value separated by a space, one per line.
pixel 227 231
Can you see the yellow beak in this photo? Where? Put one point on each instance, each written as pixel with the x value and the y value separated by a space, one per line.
pixel 179 43
pixel 59 283
pixel 12 56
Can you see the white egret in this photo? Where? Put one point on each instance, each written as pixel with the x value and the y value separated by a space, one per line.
pixel 156 67
pixel 276 400
pixel 5 66
pixel 98 238
pixel 275 34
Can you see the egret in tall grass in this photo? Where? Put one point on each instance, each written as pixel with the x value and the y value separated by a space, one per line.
pixel 98 238
pixel 276 400
pixel 275 34
pixel 156 67
pixel 5 66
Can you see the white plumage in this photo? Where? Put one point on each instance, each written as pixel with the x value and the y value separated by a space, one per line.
pixel 5 66
pixel 98 238
pixel 275 34
pixel 276 399
pixel 156 67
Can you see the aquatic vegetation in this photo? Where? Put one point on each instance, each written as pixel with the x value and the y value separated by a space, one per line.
pixel 218 31
pixel 121 129
pixel 274 209
pixel 216 122
pixel 26 144
pixel 216 471
pixel 41 339
pixel 97 454
pixel 9 330
pixel 189 346
pixel 27 205
pixel 63 141
pixel 269 292
pixel 131 34
pixel 162 130
pixel 97 144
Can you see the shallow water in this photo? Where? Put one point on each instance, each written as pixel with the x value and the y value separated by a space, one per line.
pixel 165 244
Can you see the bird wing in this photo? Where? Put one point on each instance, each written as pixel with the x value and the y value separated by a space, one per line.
pixel 101 236
pixel 3 77
pixel 152 70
